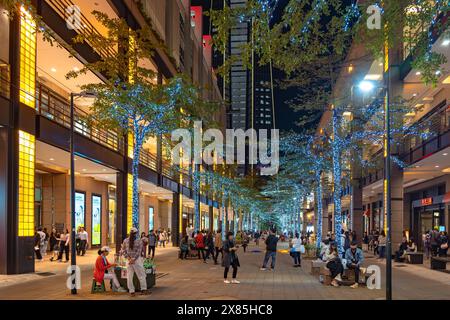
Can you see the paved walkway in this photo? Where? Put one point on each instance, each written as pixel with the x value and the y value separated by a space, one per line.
pixel 192 279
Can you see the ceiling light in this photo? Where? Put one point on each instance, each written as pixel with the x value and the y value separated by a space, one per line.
pixel 53 69
pixel 51 159
pixel 418 73
pixel 104 170
pixel 446 170
pixel 445 154
pixel 414 95
pixel 417 166
pixel 438 72
pixel 446 42
pixel 436 166
pixel 76 69
pixel 84 170
pixel 366 86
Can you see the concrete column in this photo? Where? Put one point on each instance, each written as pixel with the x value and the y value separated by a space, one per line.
pixel 175 219
pixel 357 207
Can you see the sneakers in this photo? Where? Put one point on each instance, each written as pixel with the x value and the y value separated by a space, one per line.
pixel 235 281
pixel 226 281
pixel 262 269
pixel 338 278
pixel 354 286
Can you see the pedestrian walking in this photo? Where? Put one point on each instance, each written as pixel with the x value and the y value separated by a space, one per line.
pixel 132 250
pixel 209 245
pixel 152 241
pixel 37 245
pixel 83 241
pixel 144 239
pixel 218 243
pixel 200 244
pixel 64 242
pixel 230 258
pixel 296 250
pixel 271 250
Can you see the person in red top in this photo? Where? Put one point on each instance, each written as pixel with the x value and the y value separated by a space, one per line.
pixel 101 270
pixel 200 243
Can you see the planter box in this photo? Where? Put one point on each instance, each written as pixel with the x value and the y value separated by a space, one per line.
pixel 151 280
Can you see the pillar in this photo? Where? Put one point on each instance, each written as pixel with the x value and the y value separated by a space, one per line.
pixel 176 221
pixel 397 220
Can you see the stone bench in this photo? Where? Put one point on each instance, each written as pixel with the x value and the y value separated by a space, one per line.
pixel 439 263
pixel 315 267
pixel 414 257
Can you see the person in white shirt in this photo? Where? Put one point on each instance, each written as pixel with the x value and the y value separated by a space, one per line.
pixel 296 250
pixel 83 236
pixel 64 242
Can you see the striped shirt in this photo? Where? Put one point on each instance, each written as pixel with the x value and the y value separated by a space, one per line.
pixel 134 253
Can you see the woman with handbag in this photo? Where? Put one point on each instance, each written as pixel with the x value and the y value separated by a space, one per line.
pixel 296 250
pixel 230 258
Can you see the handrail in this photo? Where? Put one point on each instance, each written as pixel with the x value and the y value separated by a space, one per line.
pixel 57 108
pixel 61 6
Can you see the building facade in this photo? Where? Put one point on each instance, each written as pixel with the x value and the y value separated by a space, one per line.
pixel 35 128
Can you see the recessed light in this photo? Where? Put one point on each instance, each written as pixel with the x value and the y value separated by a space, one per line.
pixel 417 166
pixel 414 94
pixel 76 69
pixel 84 170
pixel 445 154
pixel 51 159
pixel 446 42
pixel 418 73
pixel 53 69
pixel 436 166
pixel 104 170
pixel 438 72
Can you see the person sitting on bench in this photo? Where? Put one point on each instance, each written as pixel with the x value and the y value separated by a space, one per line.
pixel 101 270
pixel 354 257
pixel 334 264
pixel 400 253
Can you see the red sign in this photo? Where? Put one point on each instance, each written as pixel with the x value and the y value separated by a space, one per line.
pixel 426 201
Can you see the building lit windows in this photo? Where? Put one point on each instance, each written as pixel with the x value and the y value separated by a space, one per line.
pixel 26 184
pixel 27 58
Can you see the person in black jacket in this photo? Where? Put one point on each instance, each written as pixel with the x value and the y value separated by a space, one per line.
pixel 271 250
pixel 230 258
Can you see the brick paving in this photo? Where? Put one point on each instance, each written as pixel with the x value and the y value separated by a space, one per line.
pixel 192 279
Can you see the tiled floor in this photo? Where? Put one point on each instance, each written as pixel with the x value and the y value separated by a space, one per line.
pixel 192 279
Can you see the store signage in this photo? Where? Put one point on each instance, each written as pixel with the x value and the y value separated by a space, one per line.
pixel 96 219
pixel 151 218
pixel 426 201
pixel 79 209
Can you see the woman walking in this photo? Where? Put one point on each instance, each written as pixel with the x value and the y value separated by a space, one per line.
pixel 230 258
pixel 296 250
pixel 64 241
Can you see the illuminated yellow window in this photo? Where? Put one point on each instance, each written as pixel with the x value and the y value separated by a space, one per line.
pixel 130 145
pixel 27 58
pixel 26 184
pixel 130 203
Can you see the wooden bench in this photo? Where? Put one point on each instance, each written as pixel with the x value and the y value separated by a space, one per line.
pixel 439 263
pixel 414 257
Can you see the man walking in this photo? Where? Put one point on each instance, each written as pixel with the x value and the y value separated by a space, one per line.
pixel 83 236
pixel 152 239
pixel 271 250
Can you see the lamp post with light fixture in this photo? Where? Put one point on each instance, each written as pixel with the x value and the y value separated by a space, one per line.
pixel 73 253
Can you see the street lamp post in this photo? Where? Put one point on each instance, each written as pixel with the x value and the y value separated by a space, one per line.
pixel 73 253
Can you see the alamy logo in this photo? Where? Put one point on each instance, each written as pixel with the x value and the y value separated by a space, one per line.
pixel 74 280
pixel 374 280
pixel 73 20
pixel 374 19
pixel 237 143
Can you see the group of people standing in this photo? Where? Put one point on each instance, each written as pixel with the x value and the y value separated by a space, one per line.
pixel 153 239
pixel 435 243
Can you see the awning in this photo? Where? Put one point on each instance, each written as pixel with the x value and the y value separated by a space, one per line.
pixel 446 197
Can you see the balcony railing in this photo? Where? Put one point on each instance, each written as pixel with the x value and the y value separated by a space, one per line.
pixel 4 79
pixel 83 26
pixel 148 159
pixel 57 108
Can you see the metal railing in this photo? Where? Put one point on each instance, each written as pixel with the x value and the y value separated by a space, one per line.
pixel 83 26
pixel 148 159
pixel 57 108
pixel 5 79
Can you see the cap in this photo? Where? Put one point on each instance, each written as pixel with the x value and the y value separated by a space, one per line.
pixel 105 249
pixel 133 230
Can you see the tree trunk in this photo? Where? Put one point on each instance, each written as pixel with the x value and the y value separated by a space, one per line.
pixel 337 183
pixel 319 210
pixel 135 173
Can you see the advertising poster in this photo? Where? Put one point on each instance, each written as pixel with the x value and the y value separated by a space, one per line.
pixel 96 219
pixel 150 218
pixel 80 203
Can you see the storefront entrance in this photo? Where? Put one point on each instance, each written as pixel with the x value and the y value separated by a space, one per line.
pixel 427 218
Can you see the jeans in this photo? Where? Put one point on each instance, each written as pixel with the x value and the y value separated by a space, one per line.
pixel 270 254
pixel 335 267
pixel 152 250
pixel 356 268
pixel 217 254
pixel 138 268
pixel 225 272
pixel 82 247
pixel 63 249
pixel 297 258
pixel 381 251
